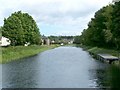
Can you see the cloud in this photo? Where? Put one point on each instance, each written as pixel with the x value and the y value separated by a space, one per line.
pixel 71 14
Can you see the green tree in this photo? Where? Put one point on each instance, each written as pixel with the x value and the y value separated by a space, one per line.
pixel 108 35
pixel 99 32
pixel 107 14
pixel 94 35
pixel 21 28
pixel 77 40
pixel 116 23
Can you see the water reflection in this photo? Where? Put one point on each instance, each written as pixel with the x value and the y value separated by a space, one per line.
pixel 114 77
pixel 106 76
pixel 63 67
pixel 21 74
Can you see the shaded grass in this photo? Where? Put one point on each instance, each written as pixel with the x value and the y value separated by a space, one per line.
pixel 14 53
pixel 97 50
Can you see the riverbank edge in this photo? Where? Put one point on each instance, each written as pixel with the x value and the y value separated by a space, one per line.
pixel 94 51
pixel 9 54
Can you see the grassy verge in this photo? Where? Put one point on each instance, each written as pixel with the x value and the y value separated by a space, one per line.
pixel 97 50
pixel 0 55
pixel 14 53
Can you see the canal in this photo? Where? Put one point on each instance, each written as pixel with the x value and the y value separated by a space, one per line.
pixel 62 67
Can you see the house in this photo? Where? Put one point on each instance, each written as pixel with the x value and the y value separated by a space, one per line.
pixel 45 40
pixel 4 41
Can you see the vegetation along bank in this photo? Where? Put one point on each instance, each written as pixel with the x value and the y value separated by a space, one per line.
pixel 103 31
pixel 21 29
pixel 94 51
pixel 15 53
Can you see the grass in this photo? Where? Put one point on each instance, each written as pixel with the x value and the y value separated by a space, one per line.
pixel 0 55
pixel 97 50
pixel 14 53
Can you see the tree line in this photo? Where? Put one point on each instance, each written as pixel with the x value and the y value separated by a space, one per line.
pixel 104 29
pixel 21 28
pixel 61 39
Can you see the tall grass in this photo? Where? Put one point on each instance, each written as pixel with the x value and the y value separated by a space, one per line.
pixel 13 53
pixel 0 55
pixel 97 50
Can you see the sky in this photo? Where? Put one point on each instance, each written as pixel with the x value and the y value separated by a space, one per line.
pixel 55 17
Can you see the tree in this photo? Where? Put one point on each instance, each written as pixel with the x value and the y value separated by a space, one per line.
pixel 108 35
pixel 94 35
pixel 77 40
pixel 99 31
pixel 116 23
pixel 21 28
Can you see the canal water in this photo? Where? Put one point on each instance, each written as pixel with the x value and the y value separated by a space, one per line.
pixel 62 67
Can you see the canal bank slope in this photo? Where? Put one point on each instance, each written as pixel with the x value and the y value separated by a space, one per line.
pixel 14 53
pixel 96 50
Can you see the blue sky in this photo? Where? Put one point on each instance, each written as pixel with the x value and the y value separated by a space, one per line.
pixel 55 17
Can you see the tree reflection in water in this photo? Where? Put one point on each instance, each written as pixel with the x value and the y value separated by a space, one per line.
pixel 114 77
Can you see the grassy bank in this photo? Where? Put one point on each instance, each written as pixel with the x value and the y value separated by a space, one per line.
pixel 13 53
pixel 98 50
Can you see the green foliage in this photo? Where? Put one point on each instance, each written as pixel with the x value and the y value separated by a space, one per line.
pixel 61 39
pixel 116 23
pixel 107 14
pixel 94 33
pixel 11 53
pixel 104 29
pixel 21 28
pixel 77 40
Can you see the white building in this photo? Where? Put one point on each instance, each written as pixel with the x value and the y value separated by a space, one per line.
pixel 47 41
pixel 4 41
